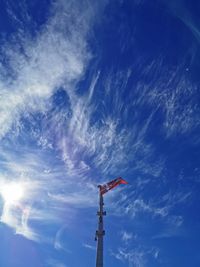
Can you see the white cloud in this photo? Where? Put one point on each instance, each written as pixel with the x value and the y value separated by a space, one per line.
pixel 137 257
pixel 126 236
pixel 109 146
pixel 57 56
pixel 89 246
pixel 134 258
pixel 55 263
pixel 58 242
pixel 48 191
pixel 173 93
pixel 163 209
pixel 140 206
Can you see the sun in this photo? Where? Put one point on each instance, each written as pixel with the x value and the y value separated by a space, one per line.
pixel 12 192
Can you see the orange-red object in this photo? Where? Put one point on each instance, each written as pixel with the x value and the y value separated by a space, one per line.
pixel 110 185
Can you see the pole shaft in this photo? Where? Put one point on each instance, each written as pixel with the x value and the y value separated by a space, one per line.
pixel 100 233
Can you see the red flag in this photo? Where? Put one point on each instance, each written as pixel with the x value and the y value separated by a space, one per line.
pixel 110 185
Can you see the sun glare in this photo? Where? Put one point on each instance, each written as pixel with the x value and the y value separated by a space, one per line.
pixel 12 192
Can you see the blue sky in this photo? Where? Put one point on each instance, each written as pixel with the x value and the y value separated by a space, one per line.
pixel 89 92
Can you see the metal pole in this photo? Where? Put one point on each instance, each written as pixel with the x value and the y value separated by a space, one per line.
pixel 100 233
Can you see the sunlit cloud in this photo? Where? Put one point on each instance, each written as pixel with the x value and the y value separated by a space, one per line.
pixel 39 198
pixel 12 192
pixel 57 56
pixel 16 209
pixel 55 158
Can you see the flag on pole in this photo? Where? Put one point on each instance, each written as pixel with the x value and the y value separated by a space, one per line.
pixel 110 185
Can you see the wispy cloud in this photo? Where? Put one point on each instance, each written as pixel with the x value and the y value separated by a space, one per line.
pixel 61 151
pixel 89 246
pixel 180 11
pixel 163 210
pixel 58 242
pixel 99 134
pixel 57 56
pixel 44 197
pixel 126 236
pixel 137 257
pixel 55 263
pixel 139 205
pixel 178 105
